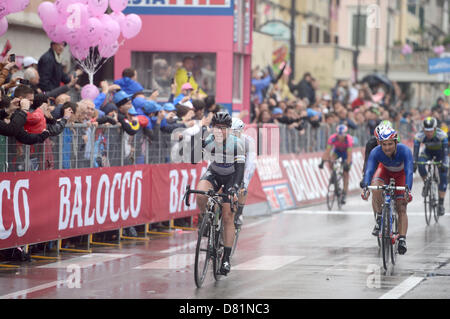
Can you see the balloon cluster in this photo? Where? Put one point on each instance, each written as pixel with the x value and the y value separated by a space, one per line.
pixel 406 50
pixel 439 50
pixel 7 7
pixel 83 24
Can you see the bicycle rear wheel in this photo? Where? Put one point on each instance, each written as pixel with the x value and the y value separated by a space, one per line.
pixel 427 202
pixel 385 238
pixel 434 192
pixel 219 250
pixel 394 241
pixel 339 188
pixel 203 251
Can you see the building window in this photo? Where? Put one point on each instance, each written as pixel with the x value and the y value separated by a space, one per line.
pixel 359 30
pixel 238 82
pixel 156 70
pixel 310 33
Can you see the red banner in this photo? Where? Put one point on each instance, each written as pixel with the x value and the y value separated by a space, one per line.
pixel 291 180
pixel 48 205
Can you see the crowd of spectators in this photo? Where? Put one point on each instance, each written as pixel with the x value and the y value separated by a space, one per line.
pixel 359 105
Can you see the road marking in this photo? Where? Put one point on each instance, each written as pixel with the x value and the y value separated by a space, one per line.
pixel 336 212
pixel 193 244
pixel 85 261
pixel 267 262
pixel 34 289
pixel 403 288
pixel 177 261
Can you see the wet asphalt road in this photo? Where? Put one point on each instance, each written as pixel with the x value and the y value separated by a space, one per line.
pixel 299 254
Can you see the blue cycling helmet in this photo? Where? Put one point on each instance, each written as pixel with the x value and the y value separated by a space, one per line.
pixel 387 133
pixel 341 129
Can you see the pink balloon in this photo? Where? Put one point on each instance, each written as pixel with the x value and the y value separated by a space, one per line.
pixel 118 5
pixel 17 5
pixel 57 33
pixel 71 36
pixel 48 13
pixel 119 17
pixel 97 7
pixel 95 31
pixel 131 26
pixel 3 26
pixel 3 8
pixel 108 51
pixel 61 6
pixel 89 92
pixel 79 51
pixel 111 31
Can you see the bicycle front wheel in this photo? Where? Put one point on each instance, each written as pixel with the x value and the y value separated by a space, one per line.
pixel 203 251
pixel 385 237
pixel 331 194
pixel 394 241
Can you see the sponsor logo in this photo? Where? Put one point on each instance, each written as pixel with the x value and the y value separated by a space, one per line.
pixel 119 197
pixel 179 179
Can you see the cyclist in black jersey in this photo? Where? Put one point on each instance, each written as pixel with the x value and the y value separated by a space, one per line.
pixel 226 172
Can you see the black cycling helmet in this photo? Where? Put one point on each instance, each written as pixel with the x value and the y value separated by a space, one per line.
pixel 221 118
pixel 429 124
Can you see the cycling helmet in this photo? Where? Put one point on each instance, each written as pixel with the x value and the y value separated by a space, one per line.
pixel 383 125
pixel 221 118
pixel 341 129
pixel 386 134
pixel 237 124
pixel 429 124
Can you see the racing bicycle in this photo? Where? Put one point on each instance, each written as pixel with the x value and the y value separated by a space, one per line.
pixel 336 184
pixel 210 247
pixel 389 222
pixel 430 191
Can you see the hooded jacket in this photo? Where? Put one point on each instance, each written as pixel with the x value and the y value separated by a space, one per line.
pixel 129 86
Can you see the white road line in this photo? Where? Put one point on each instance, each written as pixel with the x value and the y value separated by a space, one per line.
pixel 193 243
pixel 335 212
pixel 34 289
pixel 403 288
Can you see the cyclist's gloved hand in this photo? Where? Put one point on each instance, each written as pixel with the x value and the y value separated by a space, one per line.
pixel 362 184
pixel 321 164
pixel 365 193
pixel 408 196
pixel 232 192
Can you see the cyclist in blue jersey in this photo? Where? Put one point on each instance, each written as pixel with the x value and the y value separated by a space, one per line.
pixel 390 160
pixel 436 145
pixel 226 171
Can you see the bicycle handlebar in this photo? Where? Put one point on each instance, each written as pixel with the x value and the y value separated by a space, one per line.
pixel 209 193
pixel 383 187
pixel 429 163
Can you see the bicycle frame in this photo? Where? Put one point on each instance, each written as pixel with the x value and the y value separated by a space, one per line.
pixel 388 217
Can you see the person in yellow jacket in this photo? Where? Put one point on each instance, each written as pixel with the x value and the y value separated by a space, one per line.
pixel 184 75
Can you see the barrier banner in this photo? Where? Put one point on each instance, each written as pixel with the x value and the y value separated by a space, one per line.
pixel 47 205
pixel 169 185
pixel 292 180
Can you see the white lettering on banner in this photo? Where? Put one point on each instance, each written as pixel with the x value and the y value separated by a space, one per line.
pixel 64 203
pixel 173 200
pixel 177 189
pixel 124 212
pixel 269 168
pixel 4 185
pixel 130 186
pixel 294 179
pixel 116 181
pixel 21 229
pixel 88 220
pixel 78 203
pixel 135 209
pixel 99 216
pixel 308 182
pixel 184 183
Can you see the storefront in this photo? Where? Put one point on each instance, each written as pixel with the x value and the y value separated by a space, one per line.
pixel 215 33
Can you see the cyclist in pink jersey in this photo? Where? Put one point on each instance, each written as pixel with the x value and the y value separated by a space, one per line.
pixel 340 146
